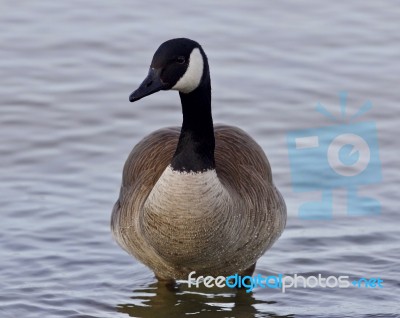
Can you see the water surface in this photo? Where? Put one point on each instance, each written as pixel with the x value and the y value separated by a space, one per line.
pixel 66 128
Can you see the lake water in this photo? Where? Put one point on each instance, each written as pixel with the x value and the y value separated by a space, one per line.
pixel 66 128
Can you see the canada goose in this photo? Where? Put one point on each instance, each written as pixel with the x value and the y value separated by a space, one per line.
pixel 200 197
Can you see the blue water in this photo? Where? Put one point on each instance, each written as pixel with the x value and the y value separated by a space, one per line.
pixel 66 128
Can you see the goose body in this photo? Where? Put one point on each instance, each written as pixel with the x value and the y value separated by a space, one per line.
pixel 198 197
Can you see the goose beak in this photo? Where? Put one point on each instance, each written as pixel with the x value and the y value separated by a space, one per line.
pixel 151 84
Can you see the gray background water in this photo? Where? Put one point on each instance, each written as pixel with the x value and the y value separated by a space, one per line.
pixel 66 128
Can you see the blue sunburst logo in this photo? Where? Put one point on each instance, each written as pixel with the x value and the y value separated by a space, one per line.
pixel 342 155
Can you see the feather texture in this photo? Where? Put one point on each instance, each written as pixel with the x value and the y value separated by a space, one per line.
pixel 213 224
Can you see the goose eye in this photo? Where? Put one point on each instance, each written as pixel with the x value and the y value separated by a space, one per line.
pixel 180 59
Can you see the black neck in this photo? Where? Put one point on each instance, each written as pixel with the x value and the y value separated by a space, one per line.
pixel 195 150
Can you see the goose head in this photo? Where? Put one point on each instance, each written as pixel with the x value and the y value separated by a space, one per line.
pixel 178 64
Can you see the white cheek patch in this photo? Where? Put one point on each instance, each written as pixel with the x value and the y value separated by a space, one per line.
pixel 192 77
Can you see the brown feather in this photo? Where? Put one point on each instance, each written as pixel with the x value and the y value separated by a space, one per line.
pixel 223 242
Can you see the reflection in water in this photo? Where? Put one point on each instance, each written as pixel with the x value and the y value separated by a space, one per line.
pixel 156 299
